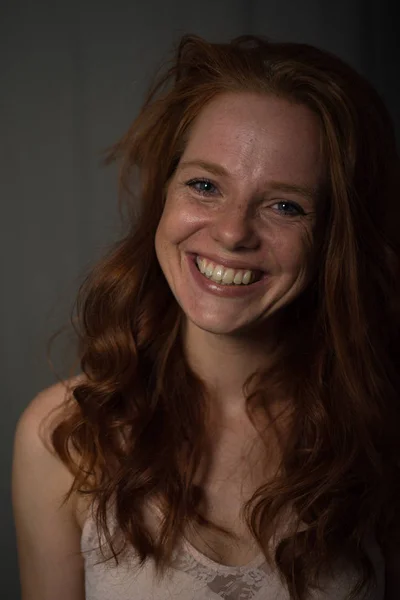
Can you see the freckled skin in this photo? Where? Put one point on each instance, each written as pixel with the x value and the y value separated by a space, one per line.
pixel 257 139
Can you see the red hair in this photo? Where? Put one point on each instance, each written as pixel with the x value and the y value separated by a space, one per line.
pixel 137 419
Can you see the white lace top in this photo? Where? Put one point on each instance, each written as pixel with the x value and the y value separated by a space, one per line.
pixel 194 576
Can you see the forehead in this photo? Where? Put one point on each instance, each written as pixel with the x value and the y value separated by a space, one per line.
pixel 258 137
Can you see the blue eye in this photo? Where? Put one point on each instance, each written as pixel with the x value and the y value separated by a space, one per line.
pixel 290 209
pixel 202 186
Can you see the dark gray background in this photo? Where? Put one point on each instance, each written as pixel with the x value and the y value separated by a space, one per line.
pixel 72 78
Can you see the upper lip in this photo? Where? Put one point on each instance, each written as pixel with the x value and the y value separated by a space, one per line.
pixel 226 262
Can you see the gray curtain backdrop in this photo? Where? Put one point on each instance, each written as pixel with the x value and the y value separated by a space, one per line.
pixel 72 77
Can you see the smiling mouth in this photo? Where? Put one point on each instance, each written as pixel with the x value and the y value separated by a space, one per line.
pixel 226 276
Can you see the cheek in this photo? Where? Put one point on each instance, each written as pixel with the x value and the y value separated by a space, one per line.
pixel 180 220
pixel 292 249
pixel 159 240
pixel 171 231
pixel 158 246
pixel 164 241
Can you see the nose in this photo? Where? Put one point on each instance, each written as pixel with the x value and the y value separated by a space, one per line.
pixel 233 229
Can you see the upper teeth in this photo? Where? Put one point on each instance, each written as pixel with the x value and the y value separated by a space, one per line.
pixel 220 274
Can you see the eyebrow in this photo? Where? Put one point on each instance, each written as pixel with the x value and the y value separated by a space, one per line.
pixel 306 191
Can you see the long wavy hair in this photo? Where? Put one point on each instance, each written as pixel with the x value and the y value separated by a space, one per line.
pixel 136 419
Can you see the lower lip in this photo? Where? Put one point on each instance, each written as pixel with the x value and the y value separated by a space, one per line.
pixel 226 291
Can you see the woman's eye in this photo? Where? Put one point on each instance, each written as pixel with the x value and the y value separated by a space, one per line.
pixel 202 186
pixel 290 209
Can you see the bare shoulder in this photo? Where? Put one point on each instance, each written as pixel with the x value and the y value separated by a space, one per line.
pixel 37 418
pixel 48 534
pixel 33 449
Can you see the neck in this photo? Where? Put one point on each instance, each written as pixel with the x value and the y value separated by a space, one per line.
pixel 225 362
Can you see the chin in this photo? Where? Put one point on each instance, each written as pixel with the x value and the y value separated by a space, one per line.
pixel 224 326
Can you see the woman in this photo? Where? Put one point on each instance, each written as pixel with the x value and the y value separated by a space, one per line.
pixel 233 433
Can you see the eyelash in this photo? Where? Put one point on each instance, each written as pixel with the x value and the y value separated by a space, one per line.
pixel 193 182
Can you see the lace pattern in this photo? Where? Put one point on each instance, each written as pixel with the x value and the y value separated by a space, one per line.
pixel 194 576
pixel 229 583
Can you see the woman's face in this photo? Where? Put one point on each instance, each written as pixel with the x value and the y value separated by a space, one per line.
pixel 241 207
